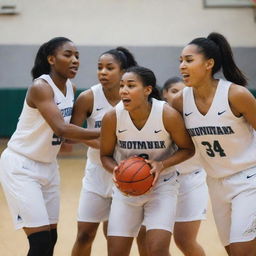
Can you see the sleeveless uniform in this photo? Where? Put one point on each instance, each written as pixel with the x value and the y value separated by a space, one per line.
pixel 193 191
pixel 157 208
pixel 227 145
pixel 29 170
pixel 96 192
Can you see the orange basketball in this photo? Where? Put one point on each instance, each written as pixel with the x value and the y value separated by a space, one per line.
pixel 133 176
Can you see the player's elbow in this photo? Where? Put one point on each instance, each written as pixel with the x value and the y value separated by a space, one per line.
pixel 191 151
pixel 61 131
pixel 103 160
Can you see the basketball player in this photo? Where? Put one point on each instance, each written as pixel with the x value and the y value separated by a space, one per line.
pixel 193 192
pixel 192 197
pixel 91 105
pixel 220 116
pixel 29 170
pixel 140 119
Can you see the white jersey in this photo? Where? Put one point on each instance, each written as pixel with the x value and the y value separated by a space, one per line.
pixel 227 144
pixel 100 107
pixel 190 165
pixel 33 137
pixel 152 141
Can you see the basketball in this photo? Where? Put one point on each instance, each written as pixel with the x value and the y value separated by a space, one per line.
pixel 133 176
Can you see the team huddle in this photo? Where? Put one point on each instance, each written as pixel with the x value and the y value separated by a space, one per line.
pixel 197 134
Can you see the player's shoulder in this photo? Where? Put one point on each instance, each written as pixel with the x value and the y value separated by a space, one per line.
pixel 110 114
pixel 85 98
pixel 84 102
pixel 177 102
pixel 109 119
pixel 237 89
pixel 86 94
pixel 240 99
pixel 40 86
pixel 238 92
pixel 40 82
pixel 169 112
pixel 39 91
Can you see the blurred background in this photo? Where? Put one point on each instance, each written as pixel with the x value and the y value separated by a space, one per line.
pixel 154 30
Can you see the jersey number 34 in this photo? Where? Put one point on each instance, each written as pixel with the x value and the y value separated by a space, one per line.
pixel 213 148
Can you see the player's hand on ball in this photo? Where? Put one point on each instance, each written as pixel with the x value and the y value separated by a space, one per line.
pixel 114 175
pixel 133 176
pixel 115 172
pixel 156 168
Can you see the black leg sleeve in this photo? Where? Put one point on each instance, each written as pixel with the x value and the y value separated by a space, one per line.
pixel 39 243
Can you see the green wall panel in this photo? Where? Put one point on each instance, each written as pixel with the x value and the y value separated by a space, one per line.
pixel 11 103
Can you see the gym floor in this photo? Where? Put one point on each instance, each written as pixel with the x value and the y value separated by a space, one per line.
pixel 14 243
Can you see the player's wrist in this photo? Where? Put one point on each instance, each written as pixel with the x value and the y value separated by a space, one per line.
pixel 163 165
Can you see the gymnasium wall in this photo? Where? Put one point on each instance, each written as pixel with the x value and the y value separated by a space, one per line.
pixel 16 62
pixel 154 30
pixel 132 22
pixel 11 102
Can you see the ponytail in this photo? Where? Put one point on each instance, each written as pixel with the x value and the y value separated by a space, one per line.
pixel 123 56
pixel 229 68
pixel 216 47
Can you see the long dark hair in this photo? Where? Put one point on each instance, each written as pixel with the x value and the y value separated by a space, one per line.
pixel 41 64
pixel 216 46
pixel 123 56
pixel 147 77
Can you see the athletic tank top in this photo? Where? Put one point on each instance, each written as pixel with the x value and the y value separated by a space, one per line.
pixel 33 137
pixel 190 165
pixel 152 141
pixel 227 144
pixel 100 107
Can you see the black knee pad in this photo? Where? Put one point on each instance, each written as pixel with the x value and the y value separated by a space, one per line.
pixel 39 243
pixel 54 236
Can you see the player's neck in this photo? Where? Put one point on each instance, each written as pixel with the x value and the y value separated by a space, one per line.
pixel 139 116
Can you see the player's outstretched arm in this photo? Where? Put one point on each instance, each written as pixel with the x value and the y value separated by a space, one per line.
pixel 40 96
pixel 81 111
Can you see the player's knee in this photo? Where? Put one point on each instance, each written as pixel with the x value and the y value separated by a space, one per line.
pixel 242 251
pixel 189 246
pixel 156 248
pixel 39 244
pixel 118 250
pixel 85 237
pixel 184 242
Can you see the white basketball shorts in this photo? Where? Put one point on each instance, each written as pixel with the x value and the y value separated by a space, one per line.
pixel 234 206
pixel 96 194
pixel 31 189
pixel 192 197
pixel 156 209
